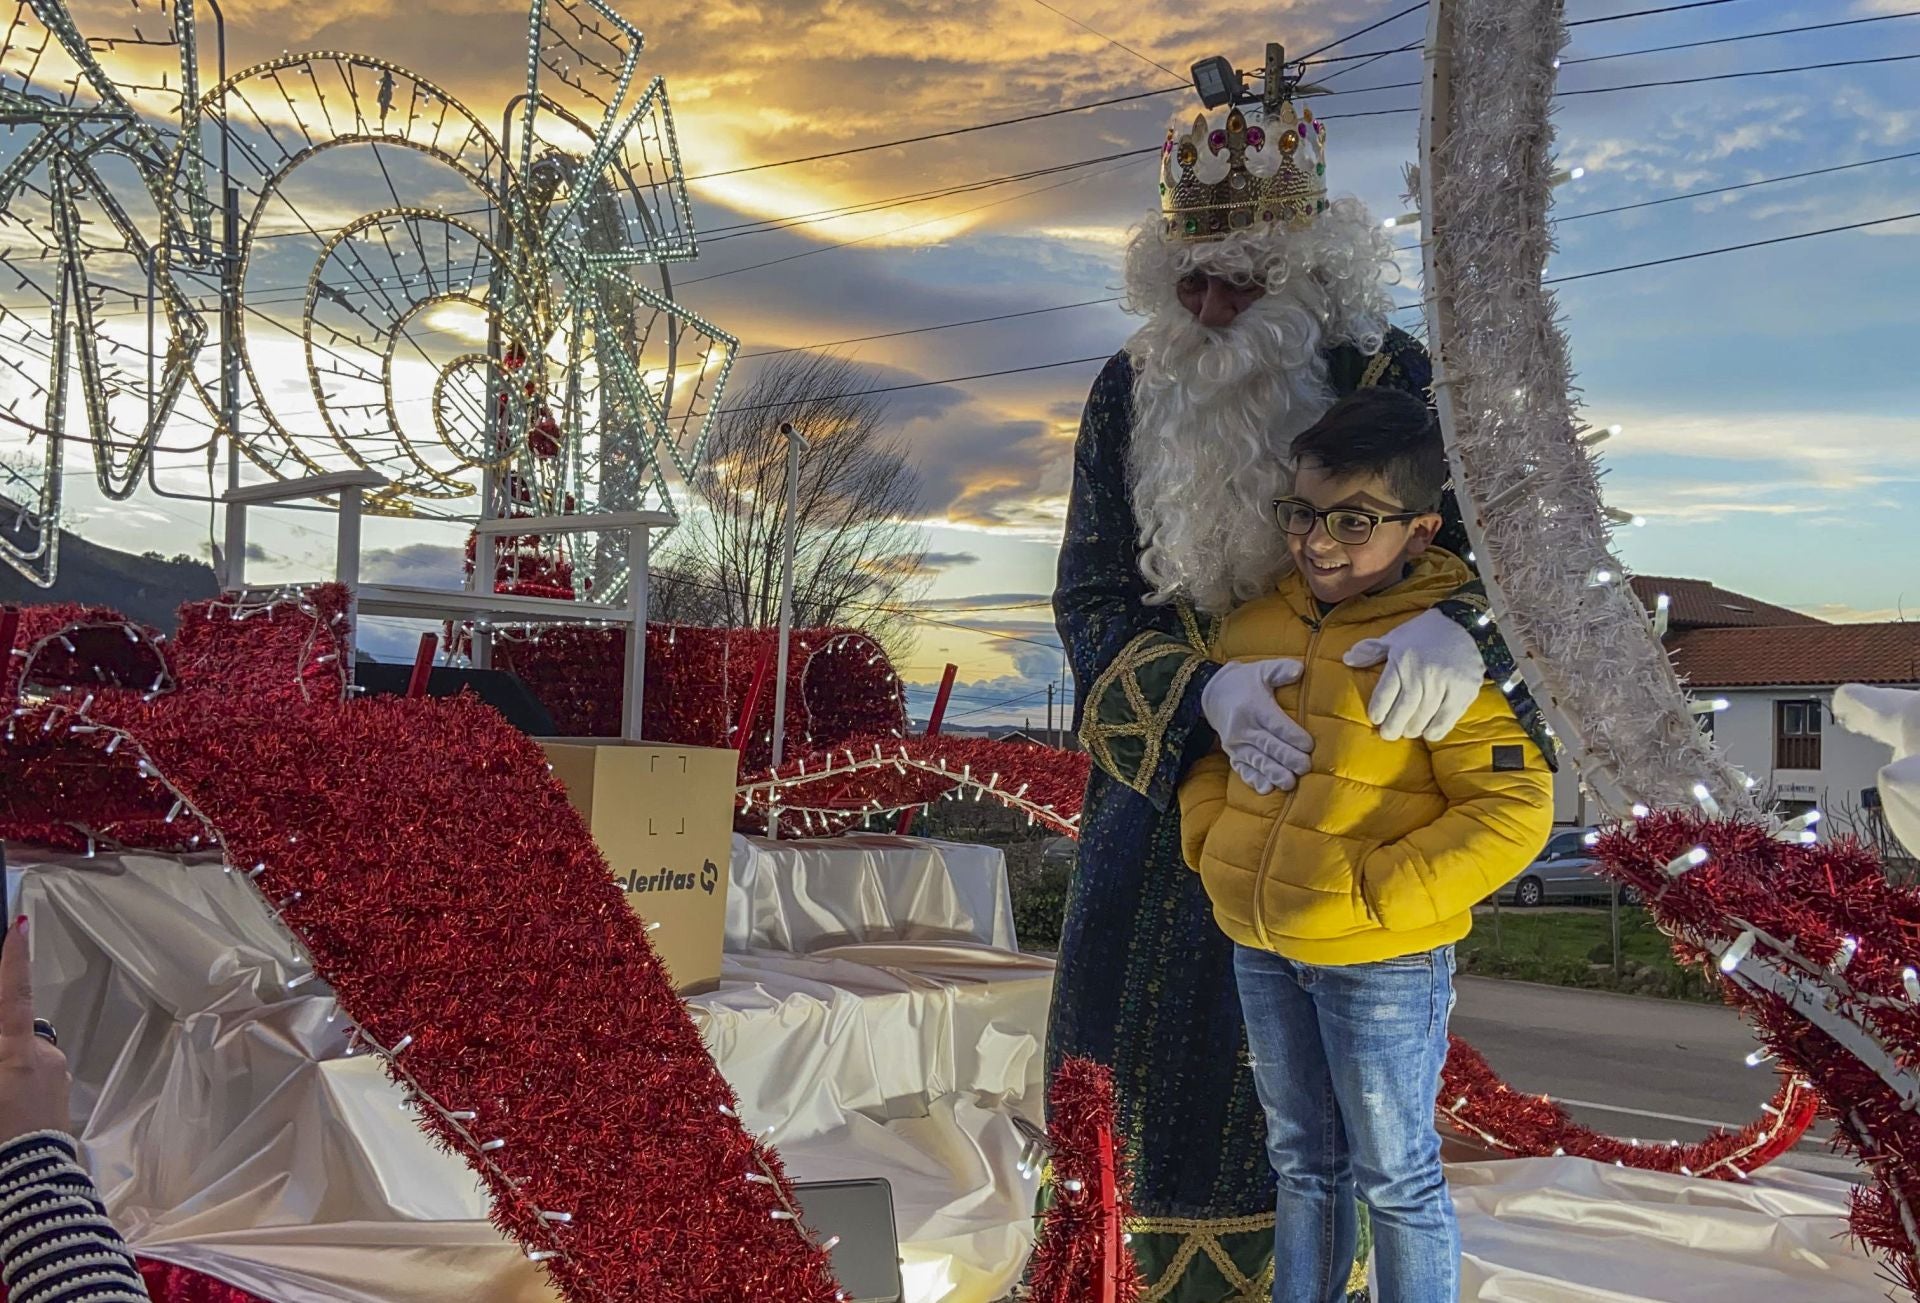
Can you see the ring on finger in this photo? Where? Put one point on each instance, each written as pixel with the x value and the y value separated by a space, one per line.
pixel 44 1030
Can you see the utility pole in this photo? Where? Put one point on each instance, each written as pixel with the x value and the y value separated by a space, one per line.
pixel 1050 714
pixel 795 442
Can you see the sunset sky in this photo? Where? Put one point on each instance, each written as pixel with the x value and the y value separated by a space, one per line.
pixel 1768 397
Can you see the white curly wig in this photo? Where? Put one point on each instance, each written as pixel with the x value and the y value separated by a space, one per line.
pixel 1214 411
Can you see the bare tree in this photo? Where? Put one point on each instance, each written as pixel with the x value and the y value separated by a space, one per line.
pixel 676 597
pixel 857 555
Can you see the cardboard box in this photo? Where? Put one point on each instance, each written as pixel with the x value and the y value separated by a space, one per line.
pixel 663 817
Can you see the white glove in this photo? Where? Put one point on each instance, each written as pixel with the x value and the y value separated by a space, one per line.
pixel 1434 671
pixel 1263 744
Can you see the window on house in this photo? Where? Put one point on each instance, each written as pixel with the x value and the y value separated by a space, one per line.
pixel 1706 723
pixel 1796 735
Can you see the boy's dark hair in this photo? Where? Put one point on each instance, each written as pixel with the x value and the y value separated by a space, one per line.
pixel 1388 431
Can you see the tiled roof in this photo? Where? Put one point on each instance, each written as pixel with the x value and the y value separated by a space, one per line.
pixel 1698 604
pixel 1801 655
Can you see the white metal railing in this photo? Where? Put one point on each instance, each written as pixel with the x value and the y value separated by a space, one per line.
pixel 476 605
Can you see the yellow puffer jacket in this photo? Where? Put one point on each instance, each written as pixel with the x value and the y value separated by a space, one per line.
pixel 1384 848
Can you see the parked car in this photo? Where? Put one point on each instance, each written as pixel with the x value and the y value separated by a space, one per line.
pixel 1565 870
pixel 1060 853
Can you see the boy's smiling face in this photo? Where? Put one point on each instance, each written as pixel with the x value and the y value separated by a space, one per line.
pixel 1336 570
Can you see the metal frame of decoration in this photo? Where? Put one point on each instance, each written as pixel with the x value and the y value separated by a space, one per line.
pixel 589 191
pixel 57 200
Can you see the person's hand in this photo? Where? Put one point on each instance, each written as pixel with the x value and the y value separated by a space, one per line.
pixel 1263 744
pixel 33 1072
pixel 1433 673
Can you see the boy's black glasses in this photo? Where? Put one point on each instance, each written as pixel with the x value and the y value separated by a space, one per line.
pixel 1347 525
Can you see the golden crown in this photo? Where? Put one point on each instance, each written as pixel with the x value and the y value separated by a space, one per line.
pixel 1241 173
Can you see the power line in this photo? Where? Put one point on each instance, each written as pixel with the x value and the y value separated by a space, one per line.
pixel 1581 22
pixel 1709 253
pixel 961 131
pixel 761 226
pixel 1643 85
pixel 772 224
pixel 1376 56
pixel 941 135
pixel 765 225
pixel 929 384
pixel 963 610
pixel 1745 36
pixel 1729 189
pixel 1108 39
pixel 921 330
pixel 1391 112
pixel 1310 57
pixel 1649 13
pixel 1733 248
pixel 1735 76
pixel 1004 703
pixel 1407 307
pixel 842 244
pixel 1714 190
pixel 1407 248
pixel 1373 27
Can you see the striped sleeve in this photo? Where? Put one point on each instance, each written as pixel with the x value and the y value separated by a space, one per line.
pixel 56 1244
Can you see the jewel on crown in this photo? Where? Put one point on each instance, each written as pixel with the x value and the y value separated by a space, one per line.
pixel 1252 167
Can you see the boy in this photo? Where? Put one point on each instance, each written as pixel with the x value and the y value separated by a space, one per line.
pixel 1345 896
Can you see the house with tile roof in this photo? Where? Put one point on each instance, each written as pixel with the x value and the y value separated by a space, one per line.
pixel 1776 669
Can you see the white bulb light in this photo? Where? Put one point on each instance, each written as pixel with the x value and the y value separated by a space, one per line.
pixel 1849 947
pixel 1742 947
pixel 1693 859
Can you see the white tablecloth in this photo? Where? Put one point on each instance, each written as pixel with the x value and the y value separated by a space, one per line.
pixel 904 1061
pixel 1565 1230
pixel 803 895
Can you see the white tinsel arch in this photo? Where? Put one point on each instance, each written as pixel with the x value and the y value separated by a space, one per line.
pixel 1526 478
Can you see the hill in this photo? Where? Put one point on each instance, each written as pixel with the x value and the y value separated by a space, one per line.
pixel 149 588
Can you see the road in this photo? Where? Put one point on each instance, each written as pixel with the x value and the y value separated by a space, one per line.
pixel 1650 1069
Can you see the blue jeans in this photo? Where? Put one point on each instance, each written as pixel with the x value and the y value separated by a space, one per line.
pixel 1347 1064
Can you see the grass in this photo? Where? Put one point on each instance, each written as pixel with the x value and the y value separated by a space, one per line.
pixel 1574 948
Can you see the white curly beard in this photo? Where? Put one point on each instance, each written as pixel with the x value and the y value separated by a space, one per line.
pixel 1214 411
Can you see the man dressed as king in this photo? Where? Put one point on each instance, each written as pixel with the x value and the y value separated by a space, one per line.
pixel 1263 301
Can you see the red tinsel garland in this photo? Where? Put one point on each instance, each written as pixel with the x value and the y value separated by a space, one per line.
pixel 832 790
pixel 1827 914
pixel 1475 1099
pixel 840 685
pixel 469 928
pixel 1082 1254
pixel 168 1283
